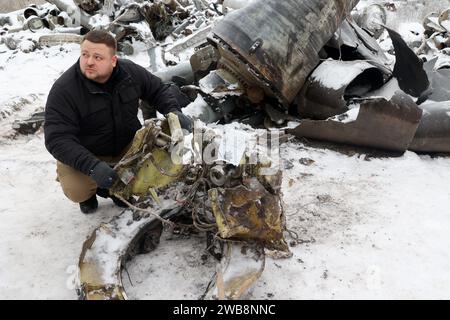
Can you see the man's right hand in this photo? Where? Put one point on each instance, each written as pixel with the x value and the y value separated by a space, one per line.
pixel 103 175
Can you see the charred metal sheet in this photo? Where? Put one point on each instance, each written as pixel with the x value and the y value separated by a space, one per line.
pixel 90 6
pixel 332 83
pixel 443 60
pixel 249 212
pixel 440 81
pixel 158 19
pixel 130 14
pixel 266 43
pixel 231 281
pixel 106 251
pixel 408 68
pixel 431 23
pixel 372 19
pixel 381 124
pixel 204 60
pixel 196 39
pixel 228 196
pixel 351 42
pixel 30 125
pixel 433 133
pixel 444 20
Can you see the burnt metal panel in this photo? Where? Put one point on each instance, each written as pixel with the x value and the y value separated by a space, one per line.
pixel 388 125
pixel 280 40
pixel 325 96
pixel 433 133
pixel 408 68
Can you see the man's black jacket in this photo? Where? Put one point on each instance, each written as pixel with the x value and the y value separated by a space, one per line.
pixel 84 119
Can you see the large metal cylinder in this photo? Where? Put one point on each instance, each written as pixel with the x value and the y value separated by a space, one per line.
pixel 274 44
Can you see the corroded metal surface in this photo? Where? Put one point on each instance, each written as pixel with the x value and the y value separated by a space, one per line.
pixel 231 197
pixel 280 40
pixel 387 125
pixel 326 91
pixel 433 133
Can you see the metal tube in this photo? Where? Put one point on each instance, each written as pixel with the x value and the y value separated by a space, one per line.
pixel 278 40
pixel 78 17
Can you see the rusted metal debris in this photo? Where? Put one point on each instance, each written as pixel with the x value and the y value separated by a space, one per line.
pixel 433 133
pixel 251 48
pixel 408 68
pixel 351 42
pixel 333 83
pixel 440 81
pixel 129 21
pixel 31 124
pixel 387 125
pixel 372 19
pixel 239 202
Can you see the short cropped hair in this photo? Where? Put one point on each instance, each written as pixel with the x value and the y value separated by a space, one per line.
pixel 101 36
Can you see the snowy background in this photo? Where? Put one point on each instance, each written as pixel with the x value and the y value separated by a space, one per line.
pixel 369 227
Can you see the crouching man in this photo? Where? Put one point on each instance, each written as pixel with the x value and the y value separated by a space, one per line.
pixel 91 117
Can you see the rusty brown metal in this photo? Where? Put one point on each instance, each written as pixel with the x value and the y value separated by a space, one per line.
pixel 249 212
pixel 387 125
pixel 275 44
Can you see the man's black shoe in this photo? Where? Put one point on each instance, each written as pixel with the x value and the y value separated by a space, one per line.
pixel 90 205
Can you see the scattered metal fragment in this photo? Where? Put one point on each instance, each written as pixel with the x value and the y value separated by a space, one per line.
pixel 431 23
pixel 90 6
pixel 332 83
pixel 158 19
pixel 59 38
pixel 194 40
pixel 351 42
pixel 203 61
pixel 381 124
pixel 433 133
pixel 106 251
pixel 181 74
pixel 242 264
pixel 408 68
pixel 372 19
pixel 444 20
pixel 251 47
pixel 243 205
pixel 30 125
pixel 440 81
pixel 250 212
pixel 77 17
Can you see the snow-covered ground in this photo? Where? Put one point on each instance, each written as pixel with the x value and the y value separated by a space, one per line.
pixel 369 227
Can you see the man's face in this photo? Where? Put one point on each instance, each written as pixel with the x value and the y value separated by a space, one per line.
pixel 97 61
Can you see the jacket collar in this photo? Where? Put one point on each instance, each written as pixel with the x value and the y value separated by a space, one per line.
pixel 119 74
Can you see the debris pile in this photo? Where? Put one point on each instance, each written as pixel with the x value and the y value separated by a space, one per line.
pixel 332 87
pixel 212 181
pixel 157 22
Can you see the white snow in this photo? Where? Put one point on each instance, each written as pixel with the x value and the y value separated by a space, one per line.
pixel 335 74
pixel 347 117
pixel 411 32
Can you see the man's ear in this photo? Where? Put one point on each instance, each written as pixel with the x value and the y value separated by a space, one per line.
pixel 114 60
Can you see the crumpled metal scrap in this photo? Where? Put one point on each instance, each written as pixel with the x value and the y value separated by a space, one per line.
pixel 240 203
